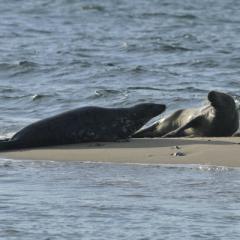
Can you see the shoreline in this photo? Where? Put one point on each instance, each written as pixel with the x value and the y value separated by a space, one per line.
pixel 204 151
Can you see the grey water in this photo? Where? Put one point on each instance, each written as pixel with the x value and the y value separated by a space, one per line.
pixel 57 55
pixel 61 54
pixel 72 200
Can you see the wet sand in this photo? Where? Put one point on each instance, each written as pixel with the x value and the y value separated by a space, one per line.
pixel 206 151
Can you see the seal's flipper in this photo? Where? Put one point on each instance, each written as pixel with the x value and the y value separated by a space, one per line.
pixel 145 132
pixel 237 134
pixel 180 132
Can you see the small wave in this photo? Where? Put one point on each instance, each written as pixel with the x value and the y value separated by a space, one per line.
pixel 186 16
pixel 5 163
pixel 110 64
pixel 235 84
pixel 4 89
pixel 173 48
pixel 109 95
pixel 177 64
pixel 180 99
pixel 119 183
pixel 135 196
pixel 197 167
pixel 190 37
pixel 192 89
pixel 83 64
pixel 14 97
pixel 213 168
pixel 167 15
pixel 236 60
pixel 21 65
pixel 144 88
pixel 39 96
pixel 93 7
pixel 38 31
pixel 107 92
pixel 137 69
pixel 154 14
pixel 233 63
pixel 6 66
pixel 208 63
pixel 13 93
pixel 27 64
pixel 129 46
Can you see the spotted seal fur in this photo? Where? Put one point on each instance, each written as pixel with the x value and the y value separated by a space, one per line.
pixel 87 124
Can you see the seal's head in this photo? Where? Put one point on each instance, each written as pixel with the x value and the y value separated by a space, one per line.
pixel 146 111
pixel 221 101
pixel 226 120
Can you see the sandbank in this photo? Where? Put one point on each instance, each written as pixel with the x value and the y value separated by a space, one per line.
pixel 204 151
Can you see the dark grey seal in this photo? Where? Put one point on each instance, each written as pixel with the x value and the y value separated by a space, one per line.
pixel 218 118
pixel 87 124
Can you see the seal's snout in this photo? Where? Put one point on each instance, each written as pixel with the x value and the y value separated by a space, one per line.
pixel 211 96
pixel 158 108
pixel 163 108
pixel 148 110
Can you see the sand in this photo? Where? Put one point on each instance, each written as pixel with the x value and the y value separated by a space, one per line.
pixel 204 151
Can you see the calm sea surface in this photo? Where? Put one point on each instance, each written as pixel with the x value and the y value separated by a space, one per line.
pixel 61 54
pixel 72 200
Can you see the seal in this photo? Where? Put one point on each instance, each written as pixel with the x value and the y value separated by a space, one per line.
pixel 216 119
pixel 87 124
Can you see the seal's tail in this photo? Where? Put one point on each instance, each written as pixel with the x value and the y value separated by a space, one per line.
pixel 7 144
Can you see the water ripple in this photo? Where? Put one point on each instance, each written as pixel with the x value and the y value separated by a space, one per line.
pixel 93 7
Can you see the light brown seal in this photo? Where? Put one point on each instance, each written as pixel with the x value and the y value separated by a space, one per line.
pixel 218 118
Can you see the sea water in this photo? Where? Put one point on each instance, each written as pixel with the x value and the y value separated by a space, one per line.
pixel 73 200
pixel 56 55
pixel 62 54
